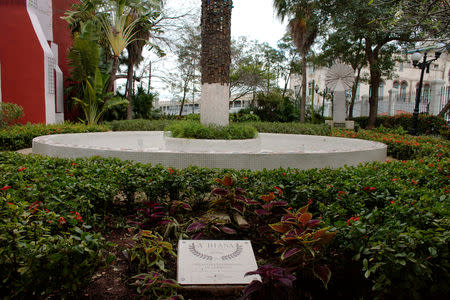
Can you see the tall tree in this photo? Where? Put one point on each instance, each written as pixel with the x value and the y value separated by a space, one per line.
pixel 360 18
pixel 215 61
pixel 304 27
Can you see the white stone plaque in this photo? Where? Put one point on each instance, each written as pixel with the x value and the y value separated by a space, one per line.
pixel 215 262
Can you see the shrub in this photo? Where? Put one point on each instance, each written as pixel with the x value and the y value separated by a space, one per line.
pixel 21 136
pixel 291 128
pixel 195 130
pixel 245 115
pixel 44 252
pixel 10 113
pixel 430 125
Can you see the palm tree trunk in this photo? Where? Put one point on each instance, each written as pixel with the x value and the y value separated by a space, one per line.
pixel 215 61
pixel 304 87
pixel 130 90
pixel 112 78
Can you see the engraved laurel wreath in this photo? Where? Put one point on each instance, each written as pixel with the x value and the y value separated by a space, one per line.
pixel 226 257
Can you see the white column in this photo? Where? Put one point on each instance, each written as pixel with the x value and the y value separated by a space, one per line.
pixel 436 96
pixel 393 96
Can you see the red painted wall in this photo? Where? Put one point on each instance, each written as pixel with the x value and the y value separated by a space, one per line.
pixel 22 61
pixel 62 37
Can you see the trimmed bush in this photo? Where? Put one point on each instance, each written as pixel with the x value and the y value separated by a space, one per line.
pixel 430 125
pixel 195 130
pixel 21 136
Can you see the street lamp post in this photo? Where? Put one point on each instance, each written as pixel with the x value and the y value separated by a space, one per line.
pixel 422 66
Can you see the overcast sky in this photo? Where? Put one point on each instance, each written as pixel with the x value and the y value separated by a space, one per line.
pixel 254 19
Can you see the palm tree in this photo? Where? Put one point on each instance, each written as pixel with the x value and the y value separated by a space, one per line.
pixel 145 13
pixel 119 31
pixel 304 27
pixel 215 61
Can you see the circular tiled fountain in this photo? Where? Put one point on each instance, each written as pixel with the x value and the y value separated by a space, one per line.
pixel 268 151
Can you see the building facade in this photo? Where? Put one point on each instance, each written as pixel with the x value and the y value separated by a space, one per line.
pixel 34 44
pixel 396 95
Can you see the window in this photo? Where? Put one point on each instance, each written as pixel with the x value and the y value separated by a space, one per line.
pixel 400 67
pixel 426 93
pixel 403 87
pixel 381 90
pixel 395 85
pixel 297 90
pixel 311 69
pixel 310 88
pixel 436 67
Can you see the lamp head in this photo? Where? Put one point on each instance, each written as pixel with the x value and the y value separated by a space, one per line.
pixel 416 57
pixel 437 54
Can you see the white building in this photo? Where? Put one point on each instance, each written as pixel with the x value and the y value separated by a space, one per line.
pixel 401 88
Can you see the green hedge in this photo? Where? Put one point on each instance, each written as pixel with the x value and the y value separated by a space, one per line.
pixel 21 136
pixel 391 219
pixel 427 124
pixel 268 127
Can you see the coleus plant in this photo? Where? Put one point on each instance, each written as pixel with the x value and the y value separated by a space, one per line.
pixel 206 227
pixel 302 240
pixel 229 198
pixel 275 283
pixel 270 203
pixel 151 215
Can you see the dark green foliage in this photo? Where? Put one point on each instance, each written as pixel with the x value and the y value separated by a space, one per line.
pixel 139 125
pixel 142 104
pixel 428 124
pixel 273 107
pixel 195 130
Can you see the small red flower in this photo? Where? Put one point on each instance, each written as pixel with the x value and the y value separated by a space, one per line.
pixel 21 169
pixel 62 220
pixel 280 192
pixel 245 178
pixel 284 174
pixel 394 179
pixel 6 187
pixel 392 202
pixel 171 171
pixel 310 201
pixel 341 192
pixel 10 203
pixel 414 182
pixel 74 164
pixel 149 180
pixel 431 165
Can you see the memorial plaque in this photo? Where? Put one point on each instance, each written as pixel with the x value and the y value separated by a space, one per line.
pixel 202 262
pixel 339 125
